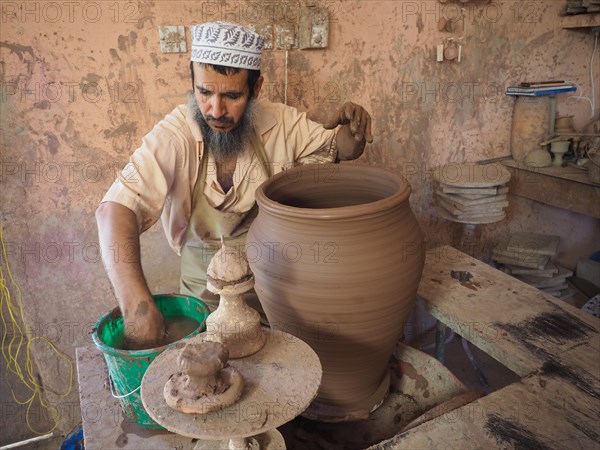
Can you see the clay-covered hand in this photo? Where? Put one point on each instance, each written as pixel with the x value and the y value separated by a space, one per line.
pixel 144 326
pixel 358 119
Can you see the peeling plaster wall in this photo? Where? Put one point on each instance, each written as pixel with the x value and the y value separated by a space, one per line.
pixel 82 82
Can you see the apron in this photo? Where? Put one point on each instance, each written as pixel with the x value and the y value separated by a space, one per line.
pixel 203 237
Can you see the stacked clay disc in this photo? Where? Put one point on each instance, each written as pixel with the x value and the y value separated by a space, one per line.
pixel 472 193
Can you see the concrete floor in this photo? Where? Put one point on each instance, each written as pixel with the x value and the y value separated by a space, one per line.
pixel 13 424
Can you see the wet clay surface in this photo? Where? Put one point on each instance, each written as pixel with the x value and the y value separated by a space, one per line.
pixel 204 382
pixel 337 262
pixel 280 381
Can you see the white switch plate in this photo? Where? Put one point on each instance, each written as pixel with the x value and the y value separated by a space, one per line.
pixel 172 39
pixel 313 29
pixel 285 37
pixel 440 53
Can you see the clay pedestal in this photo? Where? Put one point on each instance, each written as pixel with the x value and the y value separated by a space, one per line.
pixel 234 324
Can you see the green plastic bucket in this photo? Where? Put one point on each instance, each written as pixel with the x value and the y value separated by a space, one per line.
pixel 127 367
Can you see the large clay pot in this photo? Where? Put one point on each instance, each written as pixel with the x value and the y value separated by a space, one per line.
pixel 530 125
pixel 337 256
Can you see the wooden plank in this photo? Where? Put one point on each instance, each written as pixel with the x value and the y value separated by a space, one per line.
pixel 546 282
pixel 553 345
pixel 513 322
pixel 518 254
pixel 563 187
pixel 104 425
pixel 541 411
pixel 549 271
pixel 523 258
pixel 540 244
pixel 580 21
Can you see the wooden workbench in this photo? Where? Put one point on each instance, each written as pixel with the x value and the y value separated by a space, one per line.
pixel 553 346
pixel 564 187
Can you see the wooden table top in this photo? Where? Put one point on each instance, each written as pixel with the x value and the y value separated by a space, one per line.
pixel 552 345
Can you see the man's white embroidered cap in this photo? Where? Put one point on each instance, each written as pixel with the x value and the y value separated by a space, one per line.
pixel 226 44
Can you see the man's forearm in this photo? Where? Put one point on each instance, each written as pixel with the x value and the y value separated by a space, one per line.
pixel 120 245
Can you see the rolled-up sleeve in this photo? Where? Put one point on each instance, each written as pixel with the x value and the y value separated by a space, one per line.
pixel 311 142
pixel 143 184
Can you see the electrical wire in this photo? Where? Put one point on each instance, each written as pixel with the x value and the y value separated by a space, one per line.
pixel 13 351
pixel 592 102
pixel 285 88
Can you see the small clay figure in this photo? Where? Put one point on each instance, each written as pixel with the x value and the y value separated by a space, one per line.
pixel 205 382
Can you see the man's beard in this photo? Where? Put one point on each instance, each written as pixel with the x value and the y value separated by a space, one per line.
pixel 224 144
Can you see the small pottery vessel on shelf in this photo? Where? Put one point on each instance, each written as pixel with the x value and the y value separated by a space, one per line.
pixel 538 158
pixel 530 123
pixel 558 149
pixel 564 124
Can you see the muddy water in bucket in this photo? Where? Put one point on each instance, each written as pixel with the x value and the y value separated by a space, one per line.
pixel 184 315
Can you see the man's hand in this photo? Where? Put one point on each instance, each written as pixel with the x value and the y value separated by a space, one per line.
pixel 144 325
pixel 358 119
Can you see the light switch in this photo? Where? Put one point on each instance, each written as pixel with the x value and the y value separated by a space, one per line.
pixel 439 53
pixel 172 39
pixel 313 30
pixel 285 37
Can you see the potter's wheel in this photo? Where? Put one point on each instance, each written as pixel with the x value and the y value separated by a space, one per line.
pixel 280 382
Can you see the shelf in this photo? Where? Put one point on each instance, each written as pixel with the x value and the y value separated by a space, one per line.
pixel 564 187
pixel 580 21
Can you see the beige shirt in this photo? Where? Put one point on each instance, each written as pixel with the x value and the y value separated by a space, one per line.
pixel 160 176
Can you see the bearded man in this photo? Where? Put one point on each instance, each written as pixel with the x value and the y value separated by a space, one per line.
pixel 199 167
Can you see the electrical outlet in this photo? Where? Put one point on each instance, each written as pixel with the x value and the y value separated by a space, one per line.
pixel 172 39
pixel 440 53
pixel 313 30
pixel 285 37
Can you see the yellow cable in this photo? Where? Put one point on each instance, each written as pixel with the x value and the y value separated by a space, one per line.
pixel 11 352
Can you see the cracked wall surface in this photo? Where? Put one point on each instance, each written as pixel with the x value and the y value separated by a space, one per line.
pixel 82 82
